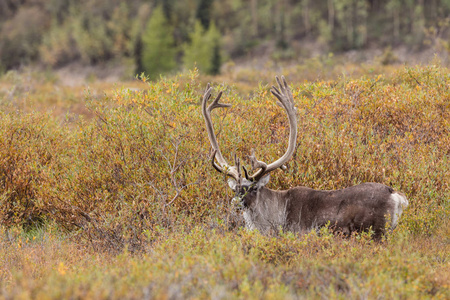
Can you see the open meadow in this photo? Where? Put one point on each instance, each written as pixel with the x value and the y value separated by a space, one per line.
pixel 107 189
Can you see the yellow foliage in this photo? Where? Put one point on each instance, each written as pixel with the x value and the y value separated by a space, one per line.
pixel 128 171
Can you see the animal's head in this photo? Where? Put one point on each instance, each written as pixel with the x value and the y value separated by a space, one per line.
pixel 246 191
pixel 246 188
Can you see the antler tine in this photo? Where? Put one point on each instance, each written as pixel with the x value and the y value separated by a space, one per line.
pixel 222 165
pixel 216 103
pixel 256 164
pixel 283 94
pixel 213 161
pixel 246 173
pixel 237 163
pixel 286 100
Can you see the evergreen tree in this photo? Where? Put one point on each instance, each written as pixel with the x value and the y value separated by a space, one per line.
pixel 158 50
pixel 196 52
pixel 167 6
pixel 204 50
pixel 204 12
pixel 216 56
pixel 138 56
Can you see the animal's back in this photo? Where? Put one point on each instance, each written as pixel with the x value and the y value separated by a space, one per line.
pixel 355 208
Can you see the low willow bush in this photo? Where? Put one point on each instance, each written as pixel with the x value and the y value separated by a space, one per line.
pixel 140 166
pixel 204 263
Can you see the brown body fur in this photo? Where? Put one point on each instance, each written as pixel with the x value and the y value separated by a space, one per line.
pixel 300 209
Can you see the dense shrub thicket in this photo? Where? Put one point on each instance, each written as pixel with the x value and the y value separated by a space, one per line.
pixel 205 263
pixel 142 162
pixel 117 199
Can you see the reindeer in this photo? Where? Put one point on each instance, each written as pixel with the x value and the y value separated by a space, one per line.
pixel 301 209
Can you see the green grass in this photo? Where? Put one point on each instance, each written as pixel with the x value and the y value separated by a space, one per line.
pixel 118 199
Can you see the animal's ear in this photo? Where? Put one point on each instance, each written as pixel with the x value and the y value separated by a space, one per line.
pixel 232 184
pixel 263 181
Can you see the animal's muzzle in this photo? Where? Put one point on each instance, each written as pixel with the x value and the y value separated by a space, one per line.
pixel 238 202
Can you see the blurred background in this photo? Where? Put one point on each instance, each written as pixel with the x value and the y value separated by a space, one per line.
pixel 125 38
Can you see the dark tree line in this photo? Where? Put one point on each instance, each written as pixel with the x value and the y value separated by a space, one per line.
pixel 57 32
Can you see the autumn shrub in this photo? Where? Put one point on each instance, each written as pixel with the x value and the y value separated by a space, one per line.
pixel 198 262
pixel 29 144
pixel 123 202
pixel 141 163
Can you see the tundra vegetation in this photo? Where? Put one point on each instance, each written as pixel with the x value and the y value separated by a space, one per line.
pixel 108 192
